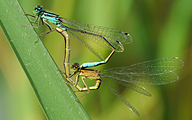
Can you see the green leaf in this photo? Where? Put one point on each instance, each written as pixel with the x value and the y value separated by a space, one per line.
pixel 56 97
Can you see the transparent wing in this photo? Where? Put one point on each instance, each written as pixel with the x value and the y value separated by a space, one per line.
pixel 122 99
pixel 97 34
pixel 134 87
pixel 87 46
pixel 154 72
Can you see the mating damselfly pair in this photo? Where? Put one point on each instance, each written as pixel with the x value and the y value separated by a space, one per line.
pixel 154 72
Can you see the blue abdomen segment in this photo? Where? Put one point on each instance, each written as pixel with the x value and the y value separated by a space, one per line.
pixel 91 64
pixel 61 26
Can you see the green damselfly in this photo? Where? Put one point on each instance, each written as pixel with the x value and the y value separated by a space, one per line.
pixel 105 37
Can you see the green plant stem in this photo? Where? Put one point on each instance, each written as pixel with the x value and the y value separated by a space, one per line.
pixel 56 97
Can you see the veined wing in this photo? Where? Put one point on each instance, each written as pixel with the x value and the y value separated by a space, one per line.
pixel 122 99
pixel 134 87
pixel 88 46
pixel 154 72
pixel 97 34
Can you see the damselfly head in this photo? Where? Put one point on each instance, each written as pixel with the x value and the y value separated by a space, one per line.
pixel 38 9
pixel 75 66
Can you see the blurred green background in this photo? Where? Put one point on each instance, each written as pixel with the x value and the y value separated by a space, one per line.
pixel 159 29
